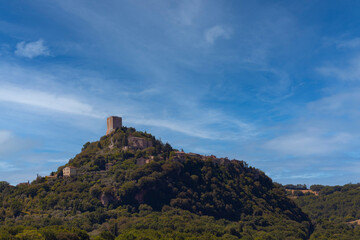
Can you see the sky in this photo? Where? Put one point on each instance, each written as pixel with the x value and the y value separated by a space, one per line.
pixel 273 83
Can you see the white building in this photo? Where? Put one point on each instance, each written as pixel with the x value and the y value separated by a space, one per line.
pixel 69 171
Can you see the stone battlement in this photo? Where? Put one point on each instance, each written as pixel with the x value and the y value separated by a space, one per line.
pixel 113 123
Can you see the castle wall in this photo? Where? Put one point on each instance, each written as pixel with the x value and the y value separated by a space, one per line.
pixel 113 122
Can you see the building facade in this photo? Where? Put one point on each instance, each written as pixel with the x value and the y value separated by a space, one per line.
pixel 69 171
pixel 113 123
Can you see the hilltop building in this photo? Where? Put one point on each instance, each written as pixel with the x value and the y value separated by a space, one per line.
pixel 113 123
pixel 69 171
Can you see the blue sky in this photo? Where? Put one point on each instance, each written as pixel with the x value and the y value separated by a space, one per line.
pixel 273 83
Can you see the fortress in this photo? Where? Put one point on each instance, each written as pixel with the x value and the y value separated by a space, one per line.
pixel 113 123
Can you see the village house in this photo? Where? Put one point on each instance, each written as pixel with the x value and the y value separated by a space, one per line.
pixel 180 155
pixel 69 171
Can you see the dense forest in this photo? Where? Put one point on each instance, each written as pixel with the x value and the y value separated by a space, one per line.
pixel 333 211
pixel 118 195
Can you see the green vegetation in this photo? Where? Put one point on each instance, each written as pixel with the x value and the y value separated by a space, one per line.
pixel 332 211
pixel 193 197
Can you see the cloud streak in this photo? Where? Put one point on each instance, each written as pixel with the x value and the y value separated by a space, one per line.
pixel 213 34
pixel 351 43
pixel 32 49
pixel 200 129
pixel 10 144
pixel 63 161
pixel 351 72
pixel 7 167
pixel 7 142
pixel 46 100
pixel 309 143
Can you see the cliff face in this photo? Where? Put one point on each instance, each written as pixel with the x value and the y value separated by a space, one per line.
pixel 112 181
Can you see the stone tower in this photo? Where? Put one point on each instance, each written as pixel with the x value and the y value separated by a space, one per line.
pixel 113 123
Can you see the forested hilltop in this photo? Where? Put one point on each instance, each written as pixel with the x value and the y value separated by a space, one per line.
pixel 130 185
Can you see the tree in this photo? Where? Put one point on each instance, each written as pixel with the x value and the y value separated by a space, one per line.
pixel 3 185
pixel 85 146
pixel 29 235
pixel 16 207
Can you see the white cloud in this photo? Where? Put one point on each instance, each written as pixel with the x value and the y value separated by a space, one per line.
pixel 352 43
pixel 212 34
pixel 32 49
pixel 194 120
pixel 7 142
pixel 4 137
pixel 350 72
pixel 10 144
pixel 46 100
pixel 309 176
pixel 343 103
pixel 187 129
pixel 64 160
pixel 308 143
pixel 7 167
pixel 201 128
pixel 187 11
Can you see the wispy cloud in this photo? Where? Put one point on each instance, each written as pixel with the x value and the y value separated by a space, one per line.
pixel 309 176
pixel 136 106
pixel 4 137
pixel 351 43
pixel 325 126
pixel 348 166
pixel 216 32
pixel 186 12
pixel 32 49
pixel 344 103
pixel 46 100
pixel 309 143
pixel 7 167
pixel 200 128
pixel 350 72
pixel 58 160
pixel 9 143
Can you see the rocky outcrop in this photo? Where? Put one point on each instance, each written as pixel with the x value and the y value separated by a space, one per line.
pixel 106 198
pixel 139 143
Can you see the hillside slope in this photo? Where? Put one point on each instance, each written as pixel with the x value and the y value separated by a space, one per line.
pixel 333 210
pixel 131 185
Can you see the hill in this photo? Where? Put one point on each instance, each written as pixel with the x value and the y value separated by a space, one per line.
pixel 333 209
pixel 129 185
